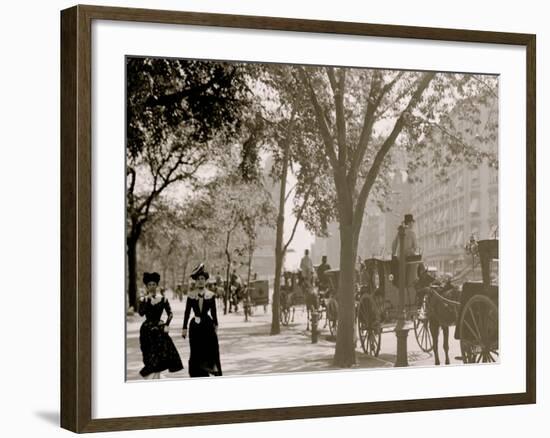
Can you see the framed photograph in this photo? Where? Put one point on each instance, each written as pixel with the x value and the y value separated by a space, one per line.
pixel 269 218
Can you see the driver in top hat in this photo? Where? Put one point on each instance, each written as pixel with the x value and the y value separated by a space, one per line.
pixel 410 248
pixel 409 240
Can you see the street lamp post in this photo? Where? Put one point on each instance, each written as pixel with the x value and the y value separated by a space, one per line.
pixel 401 331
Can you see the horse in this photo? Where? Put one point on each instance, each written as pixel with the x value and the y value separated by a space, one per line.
pixel 311 298
pixel 442 312
pixel 287 304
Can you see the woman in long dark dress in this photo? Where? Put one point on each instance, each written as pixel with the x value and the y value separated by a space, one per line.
pixel 204 359
pixel 159 352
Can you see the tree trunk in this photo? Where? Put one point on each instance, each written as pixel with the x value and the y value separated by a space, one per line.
pixel 344 355
pixel 184 272
pixel 279 253
pixel 131 251
pixel 227 275
pixel 250 254
pixel 227 290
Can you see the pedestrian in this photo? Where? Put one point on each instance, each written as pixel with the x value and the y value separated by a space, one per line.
pixel 410 251
pixel 204 359
pixel 179 292
pixel 236 289
pixel 158 350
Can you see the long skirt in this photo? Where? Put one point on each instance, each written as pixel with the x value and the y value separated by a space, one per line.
pixel 158 350
pixel 204 359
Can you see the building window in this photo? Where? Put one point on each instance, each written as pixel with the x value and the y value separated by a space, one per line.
pixel 460 238
pixel 474 207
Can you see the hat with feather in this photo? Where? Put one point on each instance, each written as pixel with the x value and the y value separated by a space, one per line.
pixel 199 271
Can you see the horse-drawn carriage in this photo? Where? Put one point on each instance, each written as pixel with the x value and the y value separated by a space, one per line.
pixel 292 294
pixel 377 302
pixel 298 291
pixel 329 301
pixel 477 322
pixel 257 294
pixel 473 309
pixel 378 308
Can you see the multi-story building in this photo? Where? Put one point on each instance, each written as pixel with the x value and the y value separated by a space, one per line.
pixel 449 212
pixel 377 231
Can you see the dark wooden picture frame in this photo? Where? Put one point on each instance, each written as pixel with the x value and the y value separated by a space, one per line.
pixel 76 218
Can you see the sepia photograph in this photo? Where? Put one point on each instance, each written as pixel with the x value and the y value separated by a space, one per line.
pixel 288 218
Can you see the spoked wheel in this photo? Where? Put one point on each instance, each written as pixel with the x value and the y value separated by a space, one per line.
pixel 423 334
pixel 479 330
pixel 285 315
pixel 322 314
pixel 332 316
pixel 333 326
pixel 371 339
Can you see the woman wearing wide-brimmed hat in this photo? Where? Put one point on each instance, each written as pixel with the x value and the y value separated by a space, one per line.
pixel 159 352
pixel 204 359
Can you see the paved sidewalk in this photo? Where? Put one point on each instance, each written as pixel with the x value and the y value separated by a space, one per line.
pixel 248 348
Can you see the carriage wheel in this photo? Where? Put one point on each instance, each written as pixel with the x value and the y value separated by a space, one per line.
pixel 321 313
pixel 423 334
pixel 371 339
pixel 370 334
pixel 333 326
pixel 285 315
pixel 479 330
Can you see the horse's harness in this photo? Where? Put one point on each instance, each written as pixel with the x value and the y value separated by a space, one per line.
pixel 442 298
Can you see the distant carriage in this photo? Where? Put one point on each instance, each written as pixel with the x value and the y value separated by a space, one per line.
pixel 291 295
pixel 258 293
pixel 297 291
